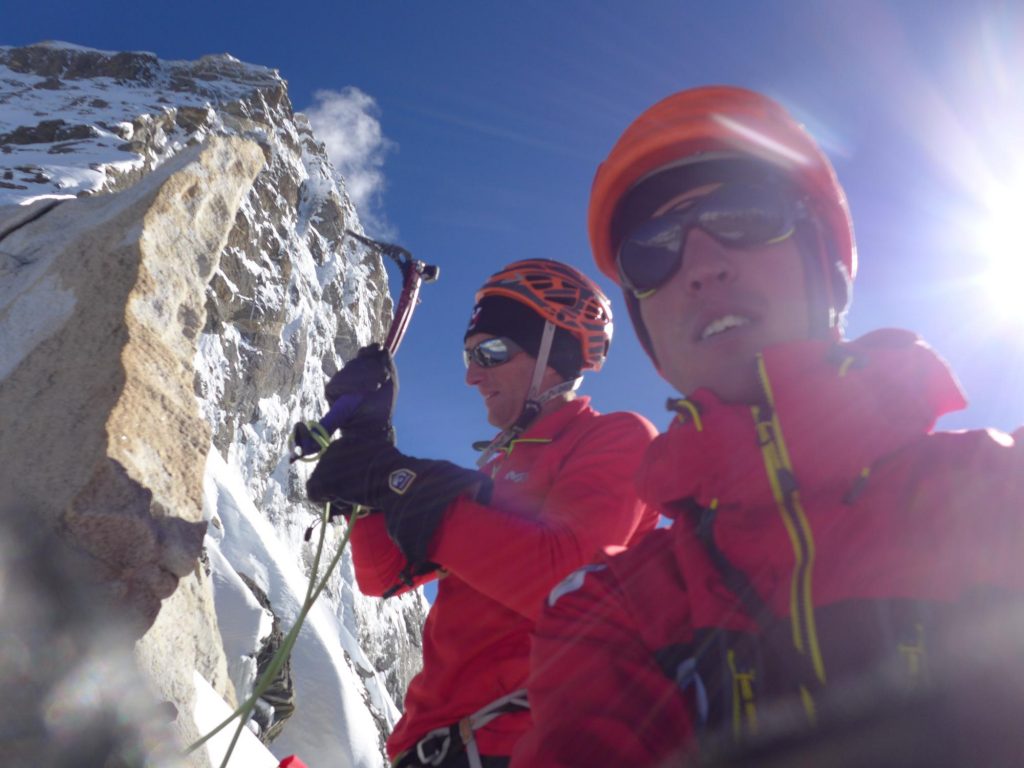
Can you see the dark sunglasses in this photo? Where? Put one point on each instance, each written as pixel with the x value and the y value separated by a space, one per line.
pixel 491 352
pixel 736 215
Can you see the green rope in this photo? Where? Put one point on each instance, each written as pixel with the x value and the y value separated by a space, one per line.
pixel 312 593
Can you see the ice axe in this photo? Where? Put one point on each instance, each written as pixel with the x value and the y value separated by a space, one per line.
pixel 310 438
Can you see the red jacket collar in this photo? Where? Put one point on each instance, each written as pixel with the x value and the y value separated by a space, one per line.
pixel 546 428
pixel 839 407
pixel 549 426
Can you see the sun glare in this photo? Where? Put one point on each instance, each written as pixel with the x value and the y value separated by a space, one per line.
pixel 1001 245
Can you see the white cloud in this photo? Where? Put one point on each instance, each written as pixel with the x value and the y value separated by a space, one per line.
pixel 347 122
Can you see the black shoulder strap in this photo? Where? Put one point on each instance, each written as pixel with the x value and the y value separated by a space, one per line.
pixel 733 578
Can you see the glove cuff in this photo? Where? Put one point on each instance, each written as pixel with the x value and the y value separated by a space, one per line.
pixel 418 493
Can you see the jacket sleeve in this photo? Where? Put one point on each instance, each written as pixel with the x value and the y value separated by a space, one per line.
pixel 592 504
pixel 378 563
pixel 995 537
pixel 597 695
pixel 967 510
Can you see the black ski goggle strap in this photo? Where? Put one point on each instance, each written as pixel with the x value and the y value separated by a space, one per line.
pixel 737 215
pixel 491 352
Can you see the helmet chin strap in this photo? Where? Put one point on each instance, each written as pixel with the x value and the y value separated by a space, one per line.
pixel 818 267
pixel 543 353
pixel 534 402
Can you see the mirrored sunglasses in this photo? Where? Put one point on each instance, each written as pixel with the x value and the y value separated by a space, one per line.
pixel 491 352
pixel 736 215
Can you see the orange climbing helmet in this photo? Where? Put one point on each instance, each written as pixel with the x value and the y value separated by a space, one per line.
pixel 563 296
pixel 709 124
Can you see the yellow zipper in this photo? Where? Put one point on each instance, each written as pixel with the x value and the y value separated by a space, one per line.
pixel 777 460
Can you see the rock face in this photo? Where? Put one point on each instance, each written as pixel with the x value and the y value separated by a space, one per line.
pixel 102 307
pixel 176 283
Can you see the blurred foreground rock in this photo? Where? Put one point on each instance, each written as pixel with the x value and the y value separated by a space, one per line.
pixel 73 697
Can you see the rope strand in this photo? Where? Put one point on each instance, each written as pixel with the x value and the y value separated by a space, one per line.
pixel 284 652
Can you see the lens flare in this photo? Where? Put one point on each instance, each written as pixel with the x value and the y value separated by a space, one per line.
pixel 1002 248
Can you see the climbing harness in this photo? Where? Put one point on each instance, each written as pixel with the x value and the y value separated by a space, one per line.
pixel 436 746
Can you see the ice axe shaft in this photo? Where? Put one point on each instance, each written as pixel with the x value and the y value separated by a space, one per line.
pixel 308 439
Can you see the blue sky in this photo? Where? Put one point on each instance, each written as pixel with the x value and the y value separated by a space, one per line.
pixel 482 124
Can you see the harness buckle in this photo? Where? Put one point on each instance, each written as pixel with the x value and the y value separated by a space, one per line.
pixel 440 751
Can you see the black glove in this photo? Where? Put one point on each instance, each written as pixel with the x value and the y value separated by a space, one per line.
pixel 370 375
pixel 412 493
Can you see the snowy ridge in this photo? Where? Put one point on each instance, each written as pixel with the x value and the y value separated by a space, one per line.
pixel 90 121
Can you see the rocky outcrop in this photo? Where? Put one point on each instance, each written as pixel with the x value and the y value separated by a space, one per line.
pixel 101 309
pixel 101 314
pixel 175 283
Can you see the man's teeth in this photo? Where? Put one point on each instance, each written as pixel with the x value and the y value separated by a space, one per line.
pixel 723 324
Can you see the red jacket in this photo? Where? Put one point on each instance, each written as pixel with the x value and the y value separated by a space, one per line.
pixel 833 507
pixel 561 494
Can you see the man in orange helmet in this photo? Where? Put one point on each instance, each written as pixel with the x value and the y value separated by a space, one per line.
pixel 821 531
pixel 554 488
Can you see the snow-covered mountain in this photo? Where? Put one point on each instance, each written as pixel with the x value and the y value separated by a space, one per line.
pixel 288 298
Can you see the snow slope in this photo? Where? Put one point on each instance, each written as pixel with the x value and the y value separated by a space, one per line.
pixel 333 725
